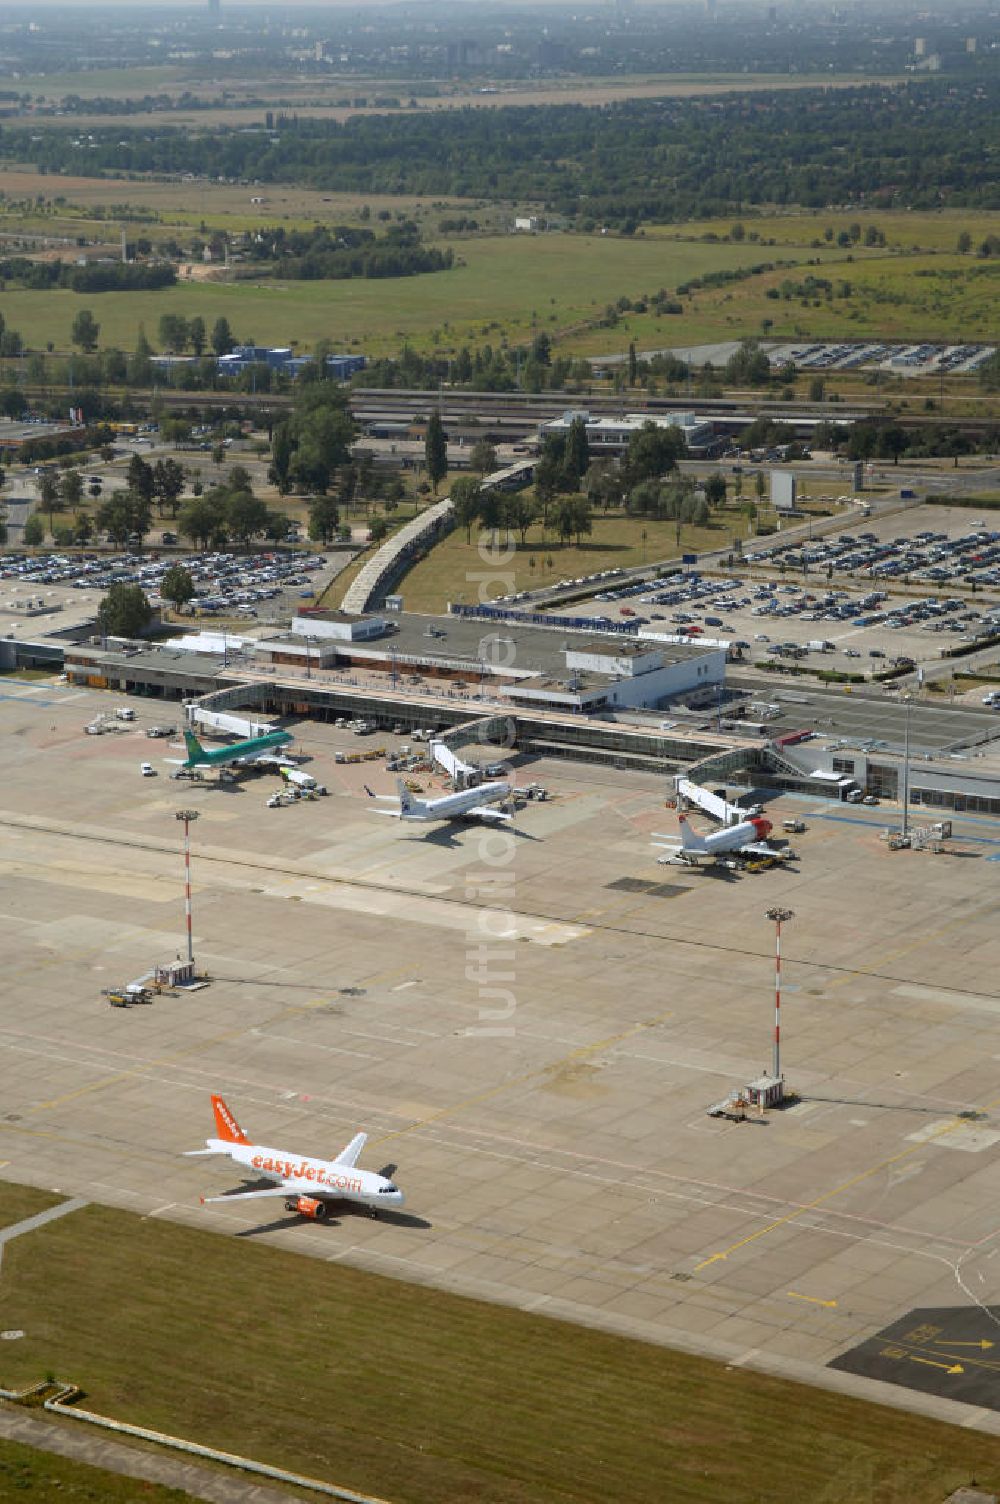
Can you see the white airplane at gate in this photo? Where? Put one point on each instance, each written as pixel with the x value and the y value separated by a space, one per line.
pixel 748 837
pixel 468 804
pixel 309 1185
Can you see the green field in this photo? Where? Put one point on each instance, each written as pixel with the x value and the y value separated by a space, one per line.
pixel 506 285
pixel 909 230
pixel 20 1201
pixel 894 297
pixel 422 1396
pixel 452 570
pixel 26 1473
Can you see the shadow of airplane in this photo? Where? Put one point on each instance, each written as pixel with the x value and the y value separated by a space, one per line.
pixel 344 1209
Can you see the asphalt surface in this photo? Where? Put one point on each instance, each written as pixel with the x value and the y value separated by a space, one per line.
pixel 951 1351
pixel 868 715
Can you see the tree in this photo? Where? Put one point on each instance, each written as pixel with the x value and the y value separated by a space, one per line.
pixel 140 367
pixel 282 452
pixel 222 336
pixel 196 333
pixel 324 519
pixel 168 483
pixel 577 453
pixel 520 512
pixel 85 330
pixel 48 492
pixel 124 515
pixel 653 451
pixel 715 490
pixel 177 586
pixel 573 517
pixel 140 478
pixel 83 529
pixel 34 531
pixel 760 485
pixel 604 483
pixel 125 611
pixel 817 389
pixel 309 447
pixel 173 332
pixel 748 366
pixel 436 450
pixel 71 488
pixel 633 365
pixel 466 503
pixel 483 458
pixel 246 515
pixel 378 529
pixel 201 519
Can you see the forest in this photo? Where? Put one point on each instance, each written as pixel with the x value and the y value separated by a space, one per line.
pixel 105 276
pixel 921 144
pixel 340 252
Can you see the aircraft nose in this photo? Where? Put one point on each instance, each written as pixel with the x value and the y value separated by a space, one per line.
pixel 762 827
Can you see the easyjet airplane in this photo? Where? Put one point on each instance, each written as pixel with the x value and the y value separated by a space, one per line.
pixel 309 1185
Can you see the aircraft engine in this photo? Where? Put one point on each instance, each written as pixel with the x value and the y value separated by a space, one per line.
pixel 308 1206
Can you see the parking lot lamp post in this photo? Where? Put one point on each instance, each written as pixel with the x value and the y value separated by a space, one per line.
pixel 780 917
pixel 187 815
pixel 906 765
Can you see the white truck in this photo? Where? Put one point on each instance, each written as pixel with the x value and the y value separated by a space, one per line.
pixel 300 780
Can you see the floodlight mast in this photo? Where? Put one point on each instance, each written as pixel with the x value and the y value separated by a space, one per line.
pixel 187 815
pixel 780 917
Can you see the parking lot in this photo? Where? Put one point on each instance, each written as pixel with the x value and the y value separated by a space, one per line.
pixel 837 601
pixel 245 585
pixel 927 359
pixel 550 1129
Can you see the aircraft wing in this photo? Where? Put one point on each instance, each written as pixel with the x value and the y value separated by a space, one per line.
pixel 278 1190
pixel 758 848
pixel 490 815
pixel 349 1156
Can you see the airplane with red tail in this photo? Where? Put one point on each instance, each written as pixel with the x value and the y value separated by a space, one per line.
pixel 748 838
pixel 308 1185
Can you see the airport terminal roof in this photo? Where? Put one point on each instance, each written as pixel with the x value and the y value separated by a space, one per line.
pixel 535 649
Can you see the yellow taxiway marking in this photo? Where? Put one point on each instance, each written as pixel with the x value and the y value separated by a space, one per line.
pixel 813 1300
pixel 837 1190
pixel 930 1363
pixel 983 1344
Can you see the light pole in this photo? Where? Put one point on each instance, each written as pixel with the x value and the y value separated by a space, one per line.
pixel 187 815
pixel 780 917
pixel 906 766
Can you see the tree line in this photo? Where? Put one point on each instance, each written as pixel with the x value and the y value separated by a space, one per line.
pixel 919 144
pixel 98 276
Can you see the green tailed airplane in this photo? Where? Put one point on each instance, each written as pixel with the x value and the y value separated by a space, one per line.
pixel 198 758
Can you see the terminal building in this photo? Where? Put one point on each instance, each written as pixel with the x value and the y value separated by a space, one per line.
pixel 564 690
pixel 613 435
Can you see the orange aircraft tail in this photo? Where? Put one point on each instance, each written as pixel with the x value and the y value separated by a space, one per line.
pixel 228 1128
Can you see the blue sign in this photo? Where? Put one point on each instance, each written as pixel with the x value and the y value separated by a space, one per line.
pixel 689 558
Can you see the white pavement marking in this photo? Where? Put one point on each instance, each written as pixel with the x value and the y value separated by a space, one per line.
pixel 29 1224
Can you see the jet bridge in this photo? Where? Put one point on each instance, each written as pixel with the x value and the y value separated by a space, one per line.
pixel 712 804
pixel 445 758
